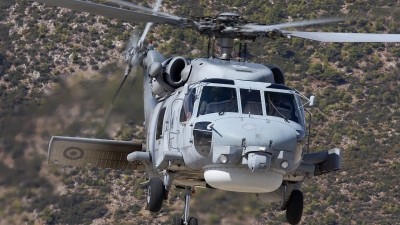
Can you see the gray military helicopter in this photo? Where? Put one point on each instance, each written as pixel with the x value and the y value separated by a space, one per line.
pixel 212 122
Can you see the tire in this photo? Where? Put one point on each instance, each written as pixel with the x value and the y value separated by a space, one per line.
pixel 294 209
pixel 193 221
pixel 177 220
pixel 155 194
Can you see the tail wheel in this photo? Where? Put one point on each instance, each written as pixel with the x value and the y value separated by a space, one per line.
pixel 177 220
pixel 294 209
pixel 155 194
pixel 193 221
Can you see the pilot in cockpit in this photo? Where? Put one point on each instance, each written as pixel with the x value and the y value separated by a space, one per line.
pixel 218 100
pixel 213 96
pixel 281 106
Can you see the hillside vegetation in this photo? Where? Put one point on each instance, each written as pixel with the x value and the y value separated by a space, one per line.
pixel 59 69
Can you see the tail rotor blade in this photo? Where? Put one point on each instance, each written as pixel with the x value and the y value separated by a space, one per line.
pixel 131 45
pixel 109 108
pixel 133 39
pixel 149 24
pixel 146 30
pixel 135 45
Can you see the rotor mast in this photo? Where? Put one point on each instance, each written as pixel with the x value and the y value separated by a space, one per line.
pixel 226 48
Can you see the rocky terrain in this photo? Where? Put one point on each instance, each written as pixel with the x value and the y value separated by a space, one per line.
pixel 59 69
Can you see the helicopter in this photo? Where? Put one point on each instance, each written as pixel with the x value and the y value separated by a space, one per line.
pixel 212 122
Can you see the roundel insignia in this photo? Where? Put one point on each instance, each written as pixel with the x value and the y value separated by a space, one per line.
pixel 73 153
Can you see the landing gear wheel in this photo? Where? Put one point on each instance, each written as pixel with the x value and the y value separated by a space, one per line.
pixel 177 220
pixel 155 194
pixel 193 221
pixel 294 208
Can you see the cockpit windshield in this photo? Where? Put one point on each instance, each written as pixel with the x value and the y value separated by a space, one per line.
pixel 217 100
pixel 251 101
pixel 282 105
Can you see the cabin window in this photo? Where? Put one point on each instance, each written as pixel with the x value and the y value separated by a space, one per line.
pixel 282 105
pixel 160 121
pixel 251 101
pixel 187 107
pixel 217 100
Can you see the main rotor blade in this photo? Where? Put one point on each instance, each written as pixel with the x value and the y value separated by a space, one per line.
pixel 293 24
pixel 113 12
pixel 150 11
pixel 343 37
pixel 374 13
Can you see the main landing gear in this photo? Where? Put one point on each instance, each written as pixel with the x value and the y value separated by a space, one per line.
pixel 185 220
pixel 157 193
pixel 294 207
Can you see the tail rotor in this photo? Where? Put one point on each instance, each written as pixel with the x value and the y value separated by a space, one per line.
pixel 133 55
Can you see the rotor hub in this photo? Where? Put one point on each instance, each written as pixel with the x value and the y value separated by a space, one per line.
pixel 228 16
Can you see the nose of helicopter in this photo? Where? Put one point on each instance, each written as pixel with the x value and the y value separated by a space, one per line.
pixel 270 135
pixel 254 132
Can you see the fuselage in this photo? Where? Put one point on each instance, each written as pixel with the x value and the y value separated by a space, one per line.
pixel 251 131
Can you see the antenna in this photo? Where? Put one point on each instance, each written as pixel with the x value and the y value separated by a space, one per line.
pixel 245 52
pixel 213 47
pixel 240 50
pixel 208 47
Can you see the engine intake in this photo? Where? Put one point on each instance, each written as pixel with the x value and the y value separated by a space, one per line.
pixel 279 76
pixel 177 71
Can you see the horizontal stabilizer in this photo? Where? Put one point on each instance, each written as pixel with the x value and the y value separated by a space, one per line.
pixel 332 163
pixel 325 162
pixel 89 152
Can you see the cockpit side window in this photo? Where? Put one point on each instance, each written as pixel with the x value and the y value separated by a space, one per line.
pixel 217 99
pixel 302 117
pixel 187 107
pixel 160 121
pixel 281 105
pixel 251 101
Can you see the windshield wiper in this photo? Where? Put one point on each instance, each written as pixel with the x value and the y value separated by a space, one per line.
pixel 223 110
pixel 283 116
